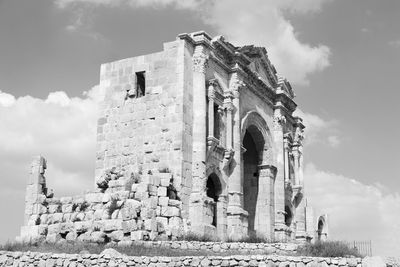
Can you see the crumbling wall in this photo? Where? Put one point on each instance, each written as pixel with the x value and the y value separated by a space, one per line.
pixel 124 208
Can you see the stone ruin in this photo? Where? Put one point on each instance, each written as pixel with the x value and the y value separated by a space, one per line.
pixel 198 138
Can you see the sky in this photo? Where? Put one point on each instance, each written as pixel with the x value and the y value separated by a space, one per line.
pixel 341 57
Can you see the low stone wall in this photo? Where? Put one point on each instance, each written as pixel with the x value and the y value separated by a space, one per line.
pixel 253 248
pixel 124 212
pixel 49 260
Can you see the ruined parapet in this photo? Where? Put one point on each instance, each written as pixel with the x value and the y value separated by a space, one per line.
pixel 125 207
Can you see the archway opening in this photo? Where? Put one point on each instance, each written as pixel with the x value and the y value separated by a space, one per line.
pixel 320 231
pixel 253 142
pixel 213 191
pixel 288 216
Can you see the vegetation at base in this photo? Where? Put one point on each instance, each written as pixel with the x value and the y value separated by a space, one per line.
pixel 196 237
pixel 253 238
pixel 327 249
pixel 139 249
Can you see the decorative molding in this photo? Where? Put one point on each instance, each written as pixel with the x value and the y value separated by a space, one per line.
pixel 279 121
pixel 200 63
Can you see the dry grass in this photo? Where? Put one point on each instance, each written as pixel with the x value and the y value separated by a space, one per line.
pixel 327 249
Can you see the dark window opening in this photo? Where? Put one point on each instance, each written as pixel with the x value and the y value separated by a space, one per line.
pixel 140 84
pixel 213 191
pixel 216 123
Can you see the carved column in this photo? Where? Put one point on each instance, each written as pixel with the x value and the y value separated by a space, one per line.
pixel 301 209
pixel 196 209
pixel 211 97
pixel 280 227
pixel 237 216
pixel 229 110
pixel 265 209
pixel 286 159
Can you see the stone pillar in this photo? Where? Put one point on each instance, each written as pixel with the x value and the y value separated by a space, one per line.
pixel 196 209
pixel 36 189
pixel 237 216
pixel 229 111
pixel 265 209
pixel 221 217
pixel 286 159
pixel 280 227
pixel 211 97
pixel 296 167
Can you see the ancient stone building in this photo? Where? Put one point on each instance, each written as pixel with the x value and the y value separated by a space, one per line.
pixel 204 127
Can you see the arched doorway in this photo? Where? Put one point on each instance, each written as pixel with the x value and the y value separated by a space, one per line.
pixel 321 229
pixel 253 142
pixel 214 189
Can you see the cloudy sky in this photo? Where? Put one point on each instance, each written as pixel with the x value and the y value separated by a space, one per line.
pixel 342 58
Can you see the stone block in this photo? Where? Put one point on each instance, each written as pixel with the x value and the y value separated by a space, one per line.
pixel 151 202
pixel 57 217
pixel 66 227
pixel 162 224
pixel 81 227
pixel 116 236
pixel 129 226
pixel 163 201
pixel 54 208
pixel 162 191
pixel 67 208
pixel 84 237
pixel 54 228
pixel 53 238
pixel 150 224
pixel 153 190
pixel 138 235
pixel 71 236
pixel 97 237
pixel 134 187
pixel 170 211
pixel 112 225
pixel 175 203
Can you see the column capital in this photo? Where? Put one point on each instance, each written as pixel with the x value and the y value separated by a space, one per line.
pixel 200 62
pixel 279 120
pixel 299 135
pixel 272 170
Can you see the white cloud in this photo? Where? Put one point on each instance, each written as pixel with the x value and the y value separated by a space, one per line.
pixel 6 99
pixel 356 211
pixel 259 22
pixel 320 131
pixel 395 43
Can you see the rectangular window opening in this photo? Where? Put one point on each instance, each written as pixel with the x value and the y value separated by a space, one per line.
pixel 217 130
pixel 140 84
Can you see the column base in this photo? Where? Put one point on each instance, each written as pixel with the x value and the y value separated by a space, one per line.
pixel 237 223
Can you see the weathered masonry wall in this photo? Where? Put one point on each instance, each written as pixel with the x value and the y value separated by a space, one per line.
pixel 144 133
pixel 131 209
pixel 48 259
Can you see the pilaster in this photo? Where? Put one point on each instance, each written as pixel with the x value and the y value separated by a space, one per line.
pixel 278 125
pixel 196 207
pixel 265 209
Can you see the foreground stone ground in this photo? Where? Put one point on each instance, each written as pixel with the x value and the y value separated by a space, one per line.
pixel 111 257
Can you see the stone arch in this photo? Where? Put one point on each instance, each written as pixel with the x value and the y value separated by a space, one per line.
pixel 255 124
pixel 322 228
pixel 258 154
pixel 213 169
